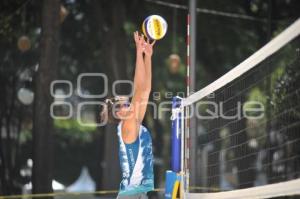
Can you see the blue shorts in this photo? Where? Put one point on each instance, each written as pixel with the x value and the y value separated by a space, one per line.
pixel 136 196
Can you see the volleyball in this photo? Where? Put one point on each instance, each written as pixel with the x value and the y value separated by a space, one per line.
pixel 154 27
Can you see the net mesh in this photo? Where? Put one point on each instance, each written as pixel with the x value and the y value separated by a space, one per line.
pixel 247 132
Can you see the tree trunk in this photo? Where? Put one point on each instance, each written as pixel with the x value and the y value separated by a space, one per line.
pixel 42 121
pixel 2 165
pixel 116 49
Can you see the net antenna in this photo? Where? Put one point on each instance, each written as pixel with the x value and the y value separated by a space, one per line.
pixel 245 159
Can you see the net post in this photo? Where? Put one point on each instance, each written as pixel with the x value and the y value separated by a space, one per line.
pixel 191 134
pixel 176 135
pixel 178 149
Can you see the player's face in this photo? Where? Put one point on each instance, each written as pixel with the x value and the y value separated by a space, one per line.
pixel 123 109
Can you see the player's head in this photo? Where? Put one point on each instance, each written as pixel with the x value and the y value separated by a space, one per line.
pixel 116 109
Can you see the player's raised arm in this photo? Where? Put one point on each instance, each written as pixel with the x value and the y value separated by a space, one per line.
pixel 140 73
pixel 142 88
pixel 148 51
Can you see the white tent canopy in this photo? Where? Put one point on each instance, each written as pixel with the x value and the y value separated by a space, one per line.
pixel 56 186
pixel 84 183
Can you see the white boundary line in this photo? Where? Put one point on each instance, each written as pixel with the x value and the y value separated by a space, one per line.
pixel 278 42
pixel 289 188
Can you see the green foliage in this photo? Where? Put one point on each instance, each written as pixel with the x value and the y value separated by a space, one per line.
pixel 25 136
pixel 72 130
pixel 256 94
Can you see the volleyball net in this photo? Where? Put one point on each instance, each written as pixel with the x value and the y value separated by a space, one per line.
pixel 241 133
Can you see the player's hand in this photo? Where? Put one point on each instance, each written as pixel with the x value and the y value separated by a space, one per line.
pixel 148 47
pixel 139 42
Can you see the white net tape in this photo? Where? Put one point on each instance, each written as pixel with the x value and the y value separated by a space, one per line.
pixel 267 191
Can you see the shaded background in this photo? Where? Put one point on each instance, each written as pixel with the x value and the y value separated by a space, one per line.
pixel 47 40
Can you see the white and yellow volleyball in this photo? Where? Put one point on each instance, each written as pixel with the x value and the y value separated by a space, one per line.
pixel 154 27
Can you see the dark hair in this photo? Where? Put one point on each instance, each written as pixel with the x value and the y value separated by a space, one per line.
pixel 108 111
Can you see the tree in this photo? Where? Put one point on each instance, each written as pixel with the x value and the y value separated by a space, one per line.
pixel 42 121
pixel 12 112
pixel 114 43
